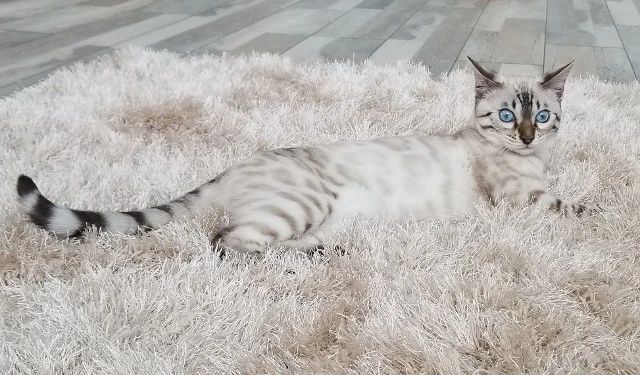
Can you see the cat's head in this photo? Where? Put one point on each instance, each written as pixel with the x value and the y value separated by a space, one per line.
pixel 519 116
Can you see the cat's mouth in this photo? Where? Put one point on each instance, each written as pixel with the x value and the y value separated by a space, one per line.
pixel 524 150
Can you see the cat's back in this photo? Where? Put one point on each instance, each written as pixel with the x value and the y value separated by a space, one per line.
pixel 418 176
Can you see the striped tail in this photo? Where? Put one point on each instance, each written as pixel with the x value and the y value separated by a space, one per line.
pixel 66 222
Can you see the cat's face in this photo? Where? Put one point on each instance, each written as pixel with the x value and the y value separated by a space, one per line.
pixel 519 116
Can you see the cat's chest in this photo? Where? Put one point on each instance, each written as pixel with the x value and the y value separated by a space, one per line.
pixel 496 168
pixel 426 181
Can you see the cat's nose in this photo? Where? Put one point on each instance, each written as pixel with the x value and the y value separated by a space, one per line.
pixel 527 139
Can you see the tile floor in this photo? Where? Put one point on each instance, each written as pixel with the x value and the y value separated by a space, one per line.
pixel 516 37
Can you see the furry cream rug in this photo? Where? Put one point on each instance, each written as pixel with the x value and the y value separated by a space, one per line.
pixel 503 291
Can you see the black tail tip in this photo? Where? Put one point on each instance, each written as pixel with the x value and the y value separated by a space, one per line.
pixel 25 186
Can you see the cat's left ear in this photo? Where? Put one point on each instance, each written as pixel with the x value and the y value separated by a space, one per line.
pixel 555 80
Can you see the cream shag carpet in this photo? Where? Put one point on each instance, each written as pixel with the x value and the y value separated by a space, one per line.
pixel 504 291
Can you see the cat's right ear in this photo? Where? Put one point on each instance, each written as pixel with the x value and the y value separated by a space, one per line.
pixel 486 79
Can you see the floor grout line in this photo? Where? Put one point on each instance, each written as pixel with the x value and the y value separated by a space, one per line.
pixel 151 31
pixel 401 25
pixel 317 31
pixel 342 15
pixel 253 23
pixel 475 24
pixel 626 53
pixel 544 48
pixel 53 69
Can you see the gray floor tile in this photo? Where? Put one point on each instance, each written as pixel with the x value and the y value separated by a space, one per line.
pixel 198 7
pixel 103 3
pixel 349 49
pixel 389 20
pixel 498 11
pixel 512 71
pixel 289 21
pixel 625 12
pixel 166 32
pixel 520 41
pixel 630 36
pixel 327 4
pixel 581 23
pixel 41 76
pixel 610 64
pixel 122 34
pixel 315 4
pixel 223 26
pixel 408 40
pixel 434 36
pixel 23 83
pixel 520 70
pixel 349 23
pixel 30 8
pixel 11 38
pixel 270 42
pixel 317 48
pixel 374 4
pixel 41 63
pixel 56 20
pixel 69 37
pixel 458 3
pixel 464 64
pixel 67 17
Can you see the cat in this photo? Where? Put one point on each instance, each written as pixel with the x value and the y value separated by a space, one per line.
pixel 294 196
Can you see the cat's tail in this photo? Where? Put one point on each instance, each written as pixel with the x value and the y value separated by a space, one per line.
pixel 66 222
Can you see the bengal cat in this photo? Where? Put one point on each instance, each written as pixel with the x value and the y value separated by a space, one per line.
pixel 294 196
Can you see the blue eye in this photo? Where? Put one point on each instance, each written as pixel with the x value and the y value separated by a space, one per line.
pixel 505 115
pixel 542 116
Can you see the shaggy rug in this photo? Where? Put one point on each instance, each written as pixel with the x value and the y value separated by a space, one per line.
pixel 502 291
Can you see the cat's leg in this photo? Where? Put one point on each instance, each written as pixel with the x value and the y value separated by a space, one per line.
pixel 308 243
pixel 530 191
pixel 566 208
pixel 247 239
pixel 311 244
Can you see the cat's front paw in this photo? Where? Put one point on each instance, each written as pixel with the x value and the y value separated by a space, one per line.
pixel 582 210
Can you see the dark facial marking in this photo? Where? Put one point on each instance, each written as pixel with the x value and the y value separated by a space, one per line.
pixel 526 128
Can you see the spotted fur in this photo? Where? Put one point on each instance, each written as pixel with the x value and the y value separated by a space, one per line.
pixel 294 196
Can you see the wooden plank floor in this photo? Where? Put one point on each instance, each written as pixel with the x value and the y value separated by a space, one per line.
pixel 515 37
